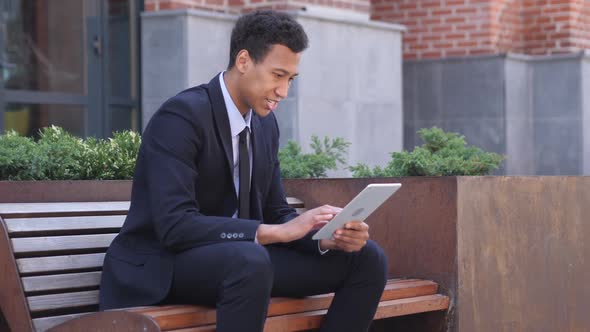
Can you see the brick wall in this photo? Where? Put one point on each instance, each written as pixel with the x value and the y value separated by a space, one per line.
pixel 240 6
pixel 445 28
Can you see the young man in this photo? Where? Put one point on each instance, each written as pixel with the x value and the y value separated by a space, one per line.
pixel 209 223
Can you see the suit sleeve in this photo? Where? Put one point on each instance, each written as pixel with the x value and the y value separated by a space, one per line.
pixel 276 209
pixel 167 163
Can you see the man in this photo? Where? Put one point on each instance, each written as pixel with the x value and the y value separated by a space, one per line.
pixel 209 223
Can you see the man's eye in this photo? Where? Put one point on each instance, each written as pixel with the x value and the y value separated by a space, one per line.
pixel 277 75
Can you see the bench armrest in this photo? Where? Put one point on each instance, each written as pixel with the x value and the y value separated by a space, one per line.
pixel 108 321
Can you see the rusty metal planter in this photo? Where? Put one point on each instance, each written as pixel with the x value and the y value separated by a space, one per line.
pixel 512 252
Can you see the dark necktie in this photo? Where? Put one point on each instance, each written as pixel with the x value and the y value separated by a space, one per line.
pixel 244 198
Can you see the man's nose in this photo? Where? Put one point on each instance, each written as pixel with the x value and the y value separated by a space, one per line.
pixel 282 90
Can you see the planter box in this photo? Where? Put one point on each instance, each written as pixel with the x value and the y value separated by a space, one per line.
pixel 512 252
pixel 64 191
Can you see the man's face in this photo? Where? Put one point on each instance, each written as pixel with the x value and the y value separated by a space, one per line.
pixel 266 83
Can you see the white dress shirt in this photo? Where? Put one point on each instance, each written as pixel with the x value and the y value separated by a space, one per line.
pixel 237 123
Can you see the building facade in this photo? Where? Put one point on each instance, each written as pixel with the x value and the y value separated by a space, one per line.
pixel 511 75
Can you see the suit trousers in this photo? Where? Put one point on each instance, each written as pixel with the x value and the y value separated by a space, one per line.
pixel 238 278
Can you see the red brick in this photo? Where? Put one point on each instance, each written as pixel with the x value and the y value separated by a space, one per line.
pixel 443 45
pixel 441 28
pixel 456 52
pixel 432 21
pixel 455 19
pixel 455 36
pixel 408 6
pixel 431 37
pixel 455 2
pixel 467 10
pixel 432 54
pixel 431 4
pixel 417 13
pixel 441 12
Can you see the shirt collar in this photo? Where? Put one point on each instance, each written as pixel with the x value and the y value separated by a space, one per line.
pixel 237 122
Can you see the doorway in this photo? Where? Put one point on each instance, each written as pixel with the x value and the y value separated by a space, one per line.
pixel 70 63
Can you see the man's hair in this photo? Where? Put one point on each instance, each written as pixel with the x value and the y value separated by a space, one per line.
pixel 257 31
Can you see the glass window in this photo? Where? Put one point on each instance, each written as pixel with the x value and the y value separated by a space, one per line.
pixel 122 118
pixel 27 119
pixel 121 63
pixel 44 46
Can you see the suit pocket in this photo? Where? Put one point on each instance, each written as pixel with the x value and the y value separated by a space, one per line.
pixel 126 256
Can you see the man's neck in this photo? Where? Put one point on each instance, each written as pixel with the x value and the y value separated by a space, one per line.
pixel 231 79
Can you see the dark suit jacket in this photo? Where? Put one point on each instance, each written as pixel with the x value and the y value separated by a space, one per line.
pixel 183 195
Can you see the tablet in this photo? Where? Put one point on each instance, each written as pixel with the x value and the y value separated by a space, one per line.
pixel 359 208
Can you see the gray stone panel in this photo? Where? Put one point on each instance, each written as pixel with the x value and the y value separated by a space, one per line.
pixel 376 142
pixel 557 114
pixel 558 146
pixel 519 124
pixel 473 89
pixel 556 88
pixel 423 91
pixel 586 113
pixel 533 109
pixel 208 45
pixel 350 87
pixel 164 60
pixel 466 96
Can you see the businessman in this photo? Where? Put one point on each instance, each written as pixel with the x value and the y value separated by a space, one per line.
pixel 209 223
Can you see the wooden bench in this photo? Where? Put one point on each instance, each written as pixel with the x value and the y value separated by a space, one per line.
pixel 51 257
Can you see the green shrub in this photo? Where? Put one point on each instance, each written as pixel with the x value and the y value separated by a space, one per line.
pixel 124 147
pixel 58 155
pixel 327 154
pixel 16 154
pixel 442 154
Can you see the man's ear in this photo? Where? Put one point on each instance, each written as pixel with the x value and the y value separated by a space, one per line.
pixel 243 61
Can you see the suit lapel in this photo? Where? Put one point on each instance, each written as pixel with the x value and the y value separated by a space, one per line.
pixel 222 122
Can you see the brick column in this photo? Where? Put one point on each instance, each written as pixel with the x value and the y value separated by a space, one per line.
pixel 446 28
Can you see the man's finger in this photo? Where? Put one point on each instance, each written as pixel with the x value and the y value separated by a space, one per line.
pixel 319 225
pixel 356 241
pixel 357 225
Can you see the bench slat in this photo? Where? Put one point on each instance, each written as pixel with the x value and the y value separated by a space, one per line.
pixel 174 317
pixel 60 263
pixel 59 243
pixel 313 319
pixel 60 301
pixel 26 210
pixel 61 281
pixel 43 225
pixel 45 323
pixel 295 202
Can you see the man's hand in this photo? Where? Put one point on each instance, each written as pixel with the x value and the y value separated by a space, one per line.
pixel 353 237
pixel 298 227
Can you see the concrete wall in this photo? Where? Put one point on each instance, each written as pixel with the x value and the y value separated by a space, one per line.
pixel 343 91
pixel 532 109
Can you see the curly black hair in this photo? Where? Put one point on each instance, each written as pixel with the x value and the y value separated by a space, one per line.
pixel 257 31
